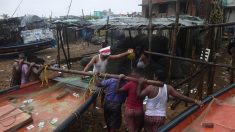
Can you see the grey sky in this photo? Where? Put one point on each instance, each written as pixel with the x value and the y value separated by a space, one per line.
pixel 60 7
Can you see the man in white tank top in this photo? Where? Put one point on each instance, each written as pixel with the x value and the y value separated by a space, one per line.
pixel 157 101
pixel 100 61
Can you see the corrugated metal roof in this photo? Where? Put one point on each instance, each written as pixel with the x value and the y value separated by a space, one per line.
pixel 140 22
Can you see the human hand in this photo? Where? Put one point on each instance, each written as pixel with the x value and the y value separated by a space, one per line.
pixel 130 51
pixel 121 76
pixel 32 64
pixel 141 80
pixel 21 61
pixel 198 102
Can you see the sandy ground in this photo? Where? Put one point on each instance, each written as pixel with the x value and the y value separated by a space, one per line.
pixel 95 123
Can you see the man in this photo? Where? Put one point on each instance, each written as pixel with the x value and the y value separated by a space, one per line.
pixel 100 62
pixel 231 51
pixel 36 71
pixel 157 100
pixel 25 72
pixel 134 114
pixel 113 101
pixel 16 71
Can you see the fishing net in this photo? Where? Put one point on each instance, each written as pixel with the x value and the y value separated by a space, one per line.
pixel 217 117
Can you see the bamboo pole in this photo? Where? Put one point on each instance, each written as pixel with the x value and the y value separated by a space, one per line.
pixel 150 28
pixel 174 39
pixel 105 75
pixel 190 60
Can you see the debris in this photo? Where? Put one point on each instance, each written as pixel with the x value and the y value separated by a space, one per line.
pixel 28 101
pixel 76 95
pixel 48 57
pixel 1 70
pixel 22 106
pixel 30 127
pixel 53 121
pixel 208 125
pixel 62 95
pixel 41 124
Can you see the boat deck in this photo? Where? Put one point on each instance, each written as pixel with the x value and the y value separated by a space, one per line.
pixel 218 117
pixel 46 104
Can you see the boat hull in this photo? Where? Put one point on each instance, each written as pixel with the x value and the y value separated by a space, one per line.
pixel 185 119
pixel 31 47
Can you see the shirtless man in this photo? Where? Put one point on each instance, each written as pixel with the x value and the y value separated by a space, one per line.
pixel 157 101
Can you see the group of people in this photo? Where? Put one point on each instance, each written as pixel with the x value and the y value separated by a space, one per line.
pixel 23 73
pixel 117 91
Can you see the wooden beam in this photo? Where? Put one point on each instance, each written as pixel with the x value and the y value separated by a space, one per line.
pixel 190 60
pixel 105 75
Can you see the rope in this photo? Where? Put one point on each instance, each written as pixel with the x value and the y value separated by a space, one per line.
pixel 45 75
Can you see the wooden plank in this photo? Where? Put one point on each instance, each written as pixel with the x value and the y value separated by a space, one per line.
pixel 12 118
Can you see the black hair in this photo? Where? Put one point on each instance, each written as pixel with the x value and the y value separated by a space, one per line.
pixel 161 75
pixel 39 61
pixel 140 71
pixel 122 70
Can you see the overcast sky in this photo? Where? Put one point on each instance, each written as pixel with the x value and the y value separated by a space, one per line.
pixel 60 7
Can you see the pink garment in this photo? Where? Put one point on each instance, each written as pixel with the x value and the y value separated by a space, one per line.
pixel 24 70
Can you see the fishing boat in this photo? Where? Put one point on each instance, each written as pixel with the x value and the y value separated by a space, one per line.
pixel 29 47
pixel 216 114
pixel 43 107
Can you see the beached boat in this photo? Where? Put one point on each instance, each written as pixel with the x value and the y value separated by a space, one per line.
pixel 42 108
pixel 217 114
pixel 28 47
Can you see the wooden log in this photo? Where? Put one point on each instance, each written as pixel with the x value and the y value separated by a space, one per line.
pixel 190 60
pixel 151 82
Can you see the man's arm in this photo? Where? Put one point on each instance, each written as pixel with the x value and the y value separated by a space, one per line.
pixel 93 61
pixel 37 71
pixel 29 70
pixel 144 92
pixel 123 88
pixel 176 94
pixel 98 81
pixel 118 56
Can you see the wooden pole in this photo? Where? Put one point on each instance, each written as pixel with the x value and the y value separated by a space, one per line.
pixel 106 35
pixel 105 75
pixel 68 49
pixel 174 41
pixel 150 27
pixel 83 14
pixel 58 45
pixel 190 60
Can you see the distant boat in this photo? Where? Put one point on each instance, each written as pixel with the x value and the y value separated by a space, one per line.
pixel 28 47
pixel 217 114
